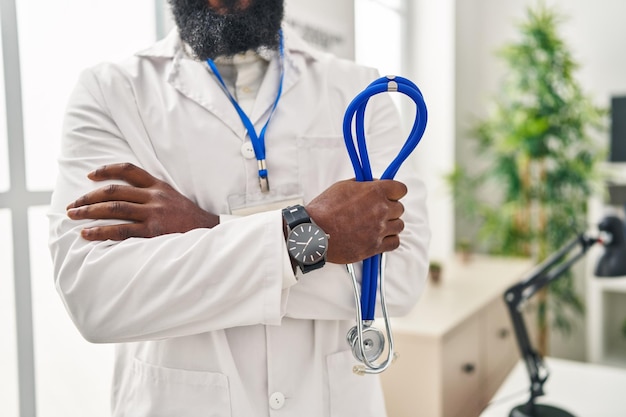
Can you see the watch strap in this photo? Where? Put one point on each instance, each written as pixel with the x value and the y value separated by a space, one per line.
pixel 295 215
pixel 309 268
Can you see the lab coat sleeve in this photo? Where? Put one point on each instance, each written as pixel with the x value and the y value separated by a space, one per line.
pixel 167 286
pixel 328 293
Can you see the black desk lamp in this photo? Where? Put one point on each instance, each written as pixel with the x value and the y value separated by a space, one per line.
pixel 611 264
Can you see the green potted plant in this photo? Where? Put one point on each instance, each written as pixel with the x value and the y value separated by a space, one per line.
pixel 464 249
pixel 542 159
pixel 434 271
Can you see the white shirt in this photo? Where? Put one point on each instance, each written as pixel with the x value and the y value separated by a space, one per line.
pixel 243 75
pixel 202 322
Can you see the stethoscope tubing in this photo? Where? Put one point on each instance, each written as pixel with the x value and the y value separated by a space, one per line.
pixel 374 267
pixel 360 160
pixel 372 368
pixel 361 164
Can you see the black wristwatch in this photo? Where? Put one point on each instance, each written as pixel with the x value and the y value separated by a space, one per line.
pixel 306 242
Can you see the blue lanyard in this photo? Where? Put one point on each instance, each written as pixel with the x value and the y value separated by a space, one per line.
pixel 361 164
pixel 258 141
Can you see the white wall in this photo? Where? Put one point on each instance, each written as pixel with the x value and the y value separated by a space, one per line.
pixel 430 64
pixel 327 24
pixel 595 32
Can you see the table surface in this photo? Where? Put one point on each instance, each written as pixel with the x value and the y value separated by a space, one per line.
pixel 465 288
pixel 583 389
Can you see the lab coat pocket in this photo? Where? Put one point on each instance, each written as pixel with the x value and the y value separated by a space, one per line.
pixel 322 161
pixel 157 391
pixel 351 394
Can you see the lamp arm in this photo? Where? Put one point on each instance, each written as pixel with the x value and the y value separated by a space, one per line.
pixel 518 294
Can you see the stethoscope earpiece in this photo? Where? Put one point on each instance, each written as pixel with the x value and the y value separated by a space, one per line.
pixel 368 343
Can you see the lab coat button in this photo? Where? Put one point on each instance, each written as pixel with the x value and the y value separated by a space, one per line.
pixel 247 150
pixel 277 400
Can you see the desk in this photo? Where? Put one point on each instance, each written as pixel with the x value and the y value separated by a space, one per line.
pixel 456 346
pixel 583 389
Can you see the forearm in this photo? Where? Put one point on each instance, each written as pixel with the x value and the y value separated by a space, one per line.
pixel 171 285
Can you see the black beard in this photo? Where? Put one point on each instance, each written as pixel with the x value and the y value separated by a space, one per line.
pixel 210 34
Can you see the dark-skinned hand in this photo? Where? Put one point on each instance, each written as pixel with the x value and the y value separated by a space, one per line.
pixel 152 206
pixel 362 218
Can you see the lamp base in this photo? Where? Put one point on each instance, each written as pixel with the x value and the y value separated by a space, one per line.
pixel 538 410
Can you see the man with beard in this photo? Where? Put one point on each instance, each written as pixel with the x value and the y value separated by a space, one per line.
pixel 186 167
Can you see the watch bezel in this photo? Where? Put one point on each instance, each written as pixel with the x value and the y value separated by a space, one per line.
pixel 302 259
pixel 295 216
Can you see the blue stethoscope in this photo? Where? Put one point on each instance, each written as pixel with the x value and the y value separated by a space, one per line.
pixel 367 342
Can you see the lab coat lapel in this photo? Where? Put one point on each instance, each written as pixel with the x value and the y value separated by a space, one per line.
pixel 192 79
pixel 269 87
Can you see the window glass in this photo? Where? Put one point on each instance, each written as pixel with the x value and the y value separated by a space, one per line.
pixel 57 41
pixel 379 42
pixel 8 347
pixel 73 376
pixel 4 157
pixel 392 4
pixel 372 19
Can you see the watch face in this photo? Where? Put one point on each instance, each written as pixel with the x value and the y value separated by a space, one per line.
pixel 307 243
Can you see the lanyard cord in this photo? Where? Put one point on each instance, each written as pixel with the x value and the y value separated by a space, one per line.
pixel 258 141
pixel 361 164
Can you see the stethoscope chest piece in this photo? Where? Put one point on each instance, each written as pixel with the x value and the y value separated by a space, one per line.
pixel 373 343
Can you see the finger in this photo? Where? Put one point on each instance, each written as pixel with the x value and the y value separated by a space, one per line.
pixel 114 232
pixel 112 192
pixel 118 210
pixel 396 210
pixel 390 243
pixel 126 171
pixel 394 190
pixel 394 227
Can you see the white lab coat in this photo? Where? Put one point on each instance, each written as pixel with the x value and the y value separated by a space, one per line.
pixel 201 319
